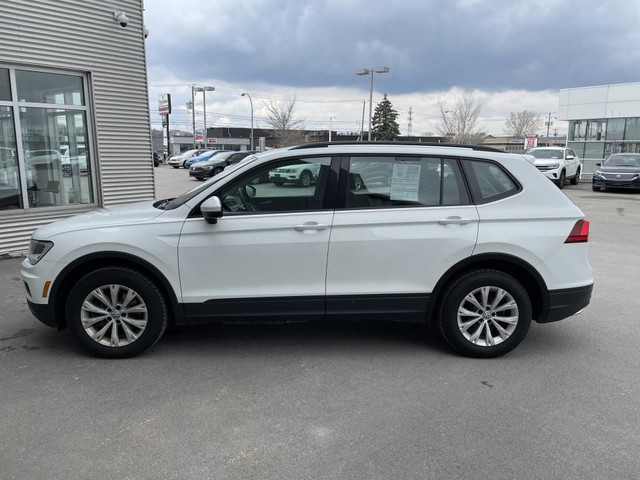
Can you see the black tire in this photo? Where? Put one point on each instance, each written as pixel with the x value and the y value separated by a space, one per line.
pixel 357 182
pixel 278 184
pixel 306 178
pixel 148 297
pixel 175 166
pixel 217 170
pixel 575 180
pixel 594 188
pixel 560 182
pixel 184 164
pixel 455 297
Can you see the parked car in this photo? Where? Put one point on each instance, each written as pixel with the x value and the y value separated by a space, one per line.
pixel 558 164
pixel 619 170
pixel 470 240
pixel 73 163
pixel 203 157
pixel 216 164
pixel 302 175
pixel 180 160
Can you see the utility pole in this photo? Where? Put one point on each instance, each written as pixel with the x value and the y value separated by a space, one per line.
pixel 410 119
pixel 193 114
pixel 548 123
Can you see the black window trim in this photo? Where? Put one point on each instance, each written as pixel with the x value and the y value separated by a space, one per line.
pixel 328 201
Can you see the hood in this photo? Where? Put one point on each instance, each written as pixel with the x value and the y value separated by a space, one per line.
pixel 547 161
pixel 211 161
pixel 134 213
pixel 619 169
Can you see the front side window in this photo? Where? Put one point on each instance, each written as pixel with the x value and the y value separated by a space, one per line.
pixel 488 181
pixel 10 193
pixel 292 185
pixel 384 182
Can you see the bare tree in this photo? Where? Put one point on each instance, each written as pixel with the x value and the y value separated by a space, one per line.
pixel 520 123
pixel 459 122
pixel 286 128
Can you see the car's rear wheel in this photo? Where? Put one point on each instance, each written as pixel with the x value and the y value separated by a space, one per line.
pixel 485 313
pixel 175 166
pixel 184 164
pixel 560 182
pixel 116 312
pixel 594 188
pixel 576 180
pixel 278 184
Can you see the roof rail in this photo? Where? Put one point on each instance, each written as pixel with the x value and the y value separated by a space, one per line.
pixel 480 148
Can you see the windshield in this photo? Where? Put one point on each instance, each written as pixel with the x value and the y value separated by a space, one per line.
pixel 185 197
pixel 623 161
pixel 546 154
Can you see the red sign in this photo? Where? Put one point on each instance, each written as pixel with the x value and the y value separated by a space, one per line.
pixel 211 141
pixel 164 104
pixel 198 137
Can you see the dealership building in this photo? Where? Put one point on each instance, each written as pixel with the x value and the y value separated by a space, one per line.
pixel 602 120
pixel 74 111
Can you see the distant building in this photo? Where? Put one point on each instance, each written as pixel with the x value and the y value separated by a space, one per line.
pixel 602 120
pixel 516 145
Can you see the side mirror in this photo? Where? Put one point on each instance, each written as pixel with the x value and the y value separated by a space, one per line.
pixel 251 191
pixel 599 164
pixel 211 209
pixel 570 157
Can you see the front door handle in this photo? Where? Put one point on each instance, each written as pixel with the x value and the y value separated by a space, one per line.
pixel 454 221
pixel 313 226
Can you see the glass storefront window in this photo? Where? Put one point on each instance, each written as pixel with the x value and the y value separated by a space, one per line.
pixel 577 147
pixel 57 160
pixel 594 150
pixel 615 129
pixel 632 131
pixel 578 130
pixel 597 130
pixel 10 196
pixel 612 147
pixel 5 86
pixel 39 87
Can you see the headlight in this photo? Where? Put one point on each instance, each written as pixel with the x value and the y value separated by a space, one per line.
pixel 598 173
pixel 553 166
pixel 208 167
pixel 37 250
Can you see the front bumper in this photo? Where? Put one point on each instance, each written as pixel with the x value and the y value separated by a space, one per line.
pixel 43 313
pixel 566 302
pixel 602 183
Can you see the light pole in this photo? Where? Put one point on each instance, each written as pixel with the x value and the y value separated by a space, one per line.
pixel 371 71
pixel 204 91
pixel 330 118
pixel 193 114
pixel 251 102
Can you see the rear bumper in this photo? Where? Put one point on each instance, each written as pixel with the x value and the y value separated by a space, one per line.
pixel 566 302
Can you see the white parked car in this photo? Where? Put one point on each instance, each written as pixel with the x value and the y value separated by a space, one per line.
pixel 470 240
pixel 558 164
pixel 303 175
pixel 180 160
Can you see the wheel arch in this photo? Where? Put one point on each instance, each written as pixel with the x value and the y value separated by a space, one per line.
pixel 73 272
pixel 524 272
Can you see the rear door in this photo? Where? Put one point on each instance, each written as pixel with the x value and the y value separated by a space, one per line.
pixel 402 223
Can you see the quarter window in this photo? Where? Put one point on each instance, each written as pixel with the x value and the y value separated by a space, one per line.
pixel 384 182
pixel 488 181
pixel 293 185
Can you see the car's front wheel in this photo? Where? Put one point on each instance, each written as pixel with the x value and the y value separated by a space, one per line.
pixel 594 188
pixel 560 182
pixel 305 178
pixel 116 312
pixel 485 313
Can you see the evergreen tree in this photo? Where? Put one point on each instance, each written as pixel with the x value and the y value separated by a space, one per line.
pixel 384 122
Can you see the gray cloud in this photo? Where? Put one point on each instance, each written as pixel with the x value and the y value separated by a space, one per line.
pixel 429 44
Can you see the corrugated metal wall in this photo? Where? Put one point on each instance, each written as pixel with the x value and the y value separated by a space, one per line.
pixel 82 35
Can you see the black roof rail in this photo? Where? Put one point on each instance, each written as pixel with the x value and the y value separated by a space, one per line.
pixel 480 148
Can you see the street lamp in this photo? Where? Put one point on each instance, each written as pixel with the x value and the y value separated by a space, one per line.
pixel 330 118
pixel 371 71
pixel 251 102
pixel 204 91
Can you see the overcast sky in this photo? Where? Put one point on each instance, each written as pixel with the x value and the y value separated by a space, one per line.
pixel 515 54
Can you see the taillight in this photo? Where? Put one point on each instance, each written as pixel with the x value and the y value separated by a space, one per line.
pixel 579 232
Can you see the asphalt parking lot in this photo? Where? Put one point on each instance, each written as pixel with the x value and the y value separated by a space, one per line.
pixel 357 401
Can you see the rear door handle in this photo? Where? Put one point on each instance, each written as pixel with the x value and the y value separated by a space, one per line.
pixel 454 221
pixel 315 226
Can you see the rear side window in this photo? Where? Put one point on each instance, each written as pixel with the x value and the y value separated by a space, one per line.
pixel 384 182
pixel 489 181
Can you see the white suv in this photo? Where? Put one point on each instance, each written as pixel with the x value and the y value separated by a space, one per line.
pixel 558 164
pixel 470 240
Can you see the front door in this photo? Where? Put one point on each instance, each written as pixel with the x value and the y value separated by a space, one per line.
pixel 267 254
